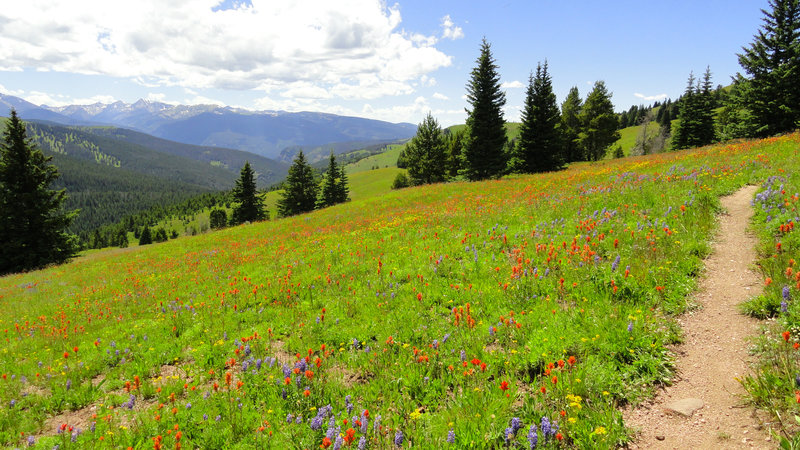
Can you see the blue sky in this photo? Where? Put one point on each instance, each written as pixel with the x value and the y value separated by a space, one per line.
pixel 388 61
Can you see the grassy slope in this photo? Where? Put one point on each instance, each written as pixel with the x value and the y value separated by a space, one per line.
pixel 527 263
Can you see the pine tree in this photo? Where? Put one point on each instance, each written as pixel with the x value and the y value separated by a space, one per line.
pixel 707 132
pixel 571 125
pixel 426 155
pixel 483 154
pixel 772 63
pixel 696 113
pixel 300 191
pixel 540 147
pixel 327 196
pixel 146 236
pixel 684 132
pixel 218 218
pixel 33 226
pixel 598 123
pixel 250 207
pixel 342 191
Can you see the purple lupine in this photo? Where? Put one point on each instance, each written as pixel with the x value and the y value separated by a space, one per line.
pixel 377 425
pixel 189 405
pixel 451 437
pixel 364 424
pixel 299 419
pixel 545 427
pixel 258 364
pixel 92 426
pixel 630 326
pixel 516 424
pixel 533 438
pixel 362 443
pixel 463 356
pixel 398 438
pixel 445 338
pixel 337 444
pixel 31 441
pixel 205 417
pixel 69 384
pixel 615 264
pixel 348 405
pixel 508 434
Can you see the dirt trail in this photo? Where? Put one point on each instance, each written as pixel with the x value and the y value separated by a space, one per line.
pixel 714 352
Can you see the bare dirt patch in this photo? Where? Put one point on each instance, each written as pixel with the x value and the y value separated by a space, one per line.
pixel 714 354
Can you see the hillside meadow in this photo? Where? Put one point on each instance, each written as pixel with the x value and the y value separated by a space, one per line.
pixel 517 312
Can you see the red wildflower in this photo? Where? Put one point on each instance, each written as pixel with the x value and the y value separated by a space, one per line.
pixel 504 386
pixel 786 335
pixel 325 443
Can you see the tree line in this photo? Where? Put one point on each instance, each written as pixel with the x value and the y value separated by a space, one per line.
pixel 762 102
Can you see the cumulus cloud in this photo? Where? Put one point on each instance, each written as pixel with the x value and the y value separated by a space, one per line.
pixel 306 47
pixel 650 97
pixel 516 84
pixel 450 30
pixel 439 96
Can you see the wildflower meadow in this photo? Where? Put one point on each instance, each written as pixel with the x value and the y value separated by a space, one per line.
pixel 520 312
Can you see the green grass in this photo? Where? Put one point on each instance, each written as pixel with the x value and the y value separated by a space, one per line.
pixel 455 306
pixel 381 160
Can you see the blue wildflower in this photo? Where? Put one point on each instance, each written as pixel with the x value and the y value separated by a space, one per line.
pixel 451 437
pixel 398 438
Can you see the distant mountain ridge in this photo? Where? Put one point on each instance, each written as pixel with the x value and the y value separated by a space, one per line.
pixel 265 133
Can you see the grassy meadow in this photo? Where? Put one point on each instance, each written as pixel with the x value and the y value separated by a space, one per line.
pixel 517 312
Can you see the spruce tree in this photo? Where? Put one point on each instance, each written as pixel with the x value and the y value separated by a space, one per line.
pixel 571 125
pixel 772 65
pixel 696 113
pixel 707 132
pixel 250 207
pixel 146 236
pixel 483 155
pixel 33 226
pixel 328 194
pixel 539 148
pixel 598 123
pixel 426 156
pixel 300 189
pixel 218 218
pixel 342 191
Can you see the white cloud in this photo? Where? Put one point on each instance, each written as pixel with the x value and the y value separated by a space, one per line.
pixel 306 47
pixel 450 30
pixel 651 97
pixel 516 84
pixel 439 96
pixel 46 98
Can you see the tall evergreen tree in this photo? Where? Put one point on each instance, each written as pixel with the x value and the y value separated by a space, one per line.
pixel 696 113
pixel 598 123
pixel 571 125
pixel 300 189
pixel 146 237
pixel 483 155
pixel 342 186
pixel 539 148
pixel 426 156
pixel 250 206
pixel 334 189
pixel 707 132
pixel 33 226
pixel 772 65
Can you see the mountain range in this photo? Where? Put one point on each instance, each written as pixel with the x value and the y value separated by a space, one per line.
pixel 265 133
